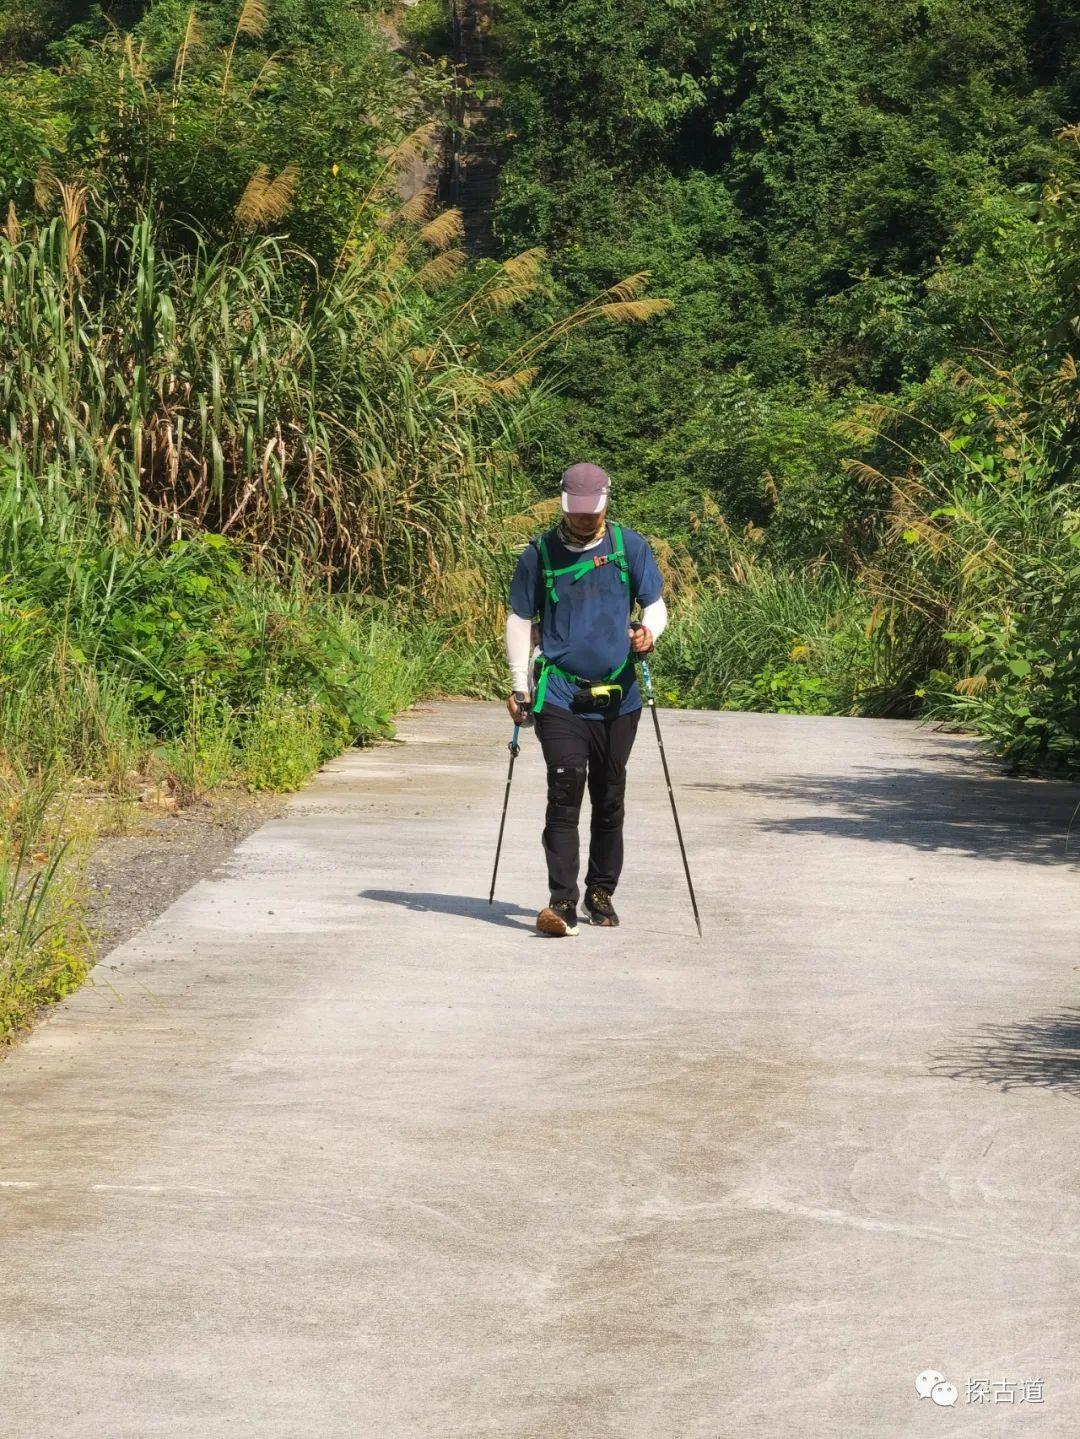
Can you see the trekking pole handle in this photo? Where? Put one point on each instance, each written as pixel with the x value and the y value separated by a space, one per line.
pixel 646 676
pixel 513 746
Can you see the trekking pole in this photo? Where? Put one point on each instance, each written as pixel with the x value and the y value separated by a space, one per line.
pixel 515 750
pixel 651 702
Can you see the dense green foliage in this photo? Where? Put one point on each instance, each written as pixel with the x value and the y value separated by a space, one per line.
pixel 181 110
pixel 865 393
pixel 791 173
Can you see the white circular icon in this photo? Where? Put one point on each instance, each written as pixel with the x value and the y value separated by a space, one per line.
pixel 925 1382
pixel 944 1393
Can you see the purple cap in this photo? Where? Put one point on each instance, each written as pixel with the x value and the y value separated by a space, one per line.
pixel 584 489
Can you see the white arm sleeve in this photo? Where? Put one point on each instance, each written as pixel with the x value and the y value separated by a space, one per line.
pixel 654 618
pixel 518 645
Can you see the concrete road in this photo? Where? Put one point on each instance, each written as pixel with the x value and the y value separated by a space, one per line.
pixel 333 1149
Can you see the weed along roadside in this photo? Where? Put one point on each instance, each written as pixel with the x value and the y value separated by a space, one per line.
pixel 106 822
pixel 104 825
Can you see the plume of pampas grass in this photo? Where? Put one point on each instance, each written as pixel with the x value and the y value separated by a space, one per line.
pixel 630 288
pixel 270 66
pixel 395 157
pixel 512 281
pixel 411 147
pixel 251 21
pixel 634 312
pixel 444 230
pixel 863 473
pixel 192 38
pixel 417 206
pixel 512 384
pixel 73 197
pixel 136 60
pixel 265 199
pixel 499 298
pixel 253 18
pixel 962 378
pixel 865 423
pixel 440 269
pixel 618 303
pixel 526 267
pixel 12 228
pixel 394 260
pixel 971 685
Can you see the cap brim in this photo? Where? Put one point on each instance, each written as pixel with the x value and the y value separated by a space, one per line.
pixel 583 504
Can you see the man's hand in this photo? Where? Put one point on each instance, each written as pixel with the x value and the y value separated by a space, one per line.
pixel 519 705
pixel 641 640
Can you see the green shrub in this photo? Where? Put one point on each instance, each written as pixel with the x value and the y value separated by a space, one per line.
pixel 1017 639
pixel 44 944
pixel 425 27
pixel 284 742
pixel 203 756
pixel 787 690
pixel 45 947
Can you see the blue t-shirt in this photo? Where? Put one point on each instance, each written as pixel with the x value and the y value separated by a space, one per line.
pixel 585 633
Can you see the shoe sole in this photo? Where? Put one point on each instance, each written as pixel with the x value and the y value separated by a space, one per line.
pixel 550 923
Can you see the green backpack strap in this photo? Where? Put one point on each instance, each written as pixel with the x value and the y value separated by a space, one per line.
pixel 541 687
pixel 619 553
pixel 549 573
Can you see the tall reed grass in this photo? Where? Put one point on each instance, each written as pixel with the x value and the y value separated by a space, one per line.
pixel 211 389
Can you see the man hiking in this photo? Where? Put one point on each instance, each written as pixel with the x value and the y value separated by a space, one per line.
pixel 581 581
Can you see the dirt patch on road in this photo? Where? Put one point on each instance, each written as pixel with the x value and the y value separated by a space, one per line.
pixel 131 878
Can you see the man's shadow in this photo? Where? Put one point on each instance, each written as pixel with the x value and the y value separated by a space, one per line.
pixel 469 907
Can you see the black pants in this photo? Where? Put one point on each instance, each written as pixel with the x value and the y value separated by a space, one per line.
pixel 575 750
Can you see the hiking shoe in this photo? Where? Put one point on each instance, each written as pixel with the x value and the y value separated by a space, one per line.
pixel 600 908
pixel 558 919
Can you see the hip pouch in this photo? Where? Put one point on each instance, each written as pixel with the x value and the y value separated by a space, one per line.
pixel 597 699
pixel 603 696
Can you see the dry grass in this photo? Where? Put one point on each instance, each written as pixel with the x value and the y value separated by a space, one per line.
pixel 265 199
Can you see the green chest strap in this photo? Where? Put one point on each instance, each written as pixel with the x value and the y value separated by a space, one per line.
pixel 585 566
pixel 579 570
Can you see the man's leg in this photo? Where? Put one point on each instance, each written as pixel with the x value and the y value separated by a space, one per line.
pixel 564 739
pixel 608 757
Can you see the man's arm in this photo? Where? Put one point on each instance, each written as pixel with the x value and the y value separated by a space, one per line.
pixel 518 649
pixel 648 586
pixel 519 623
pixel 654 620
